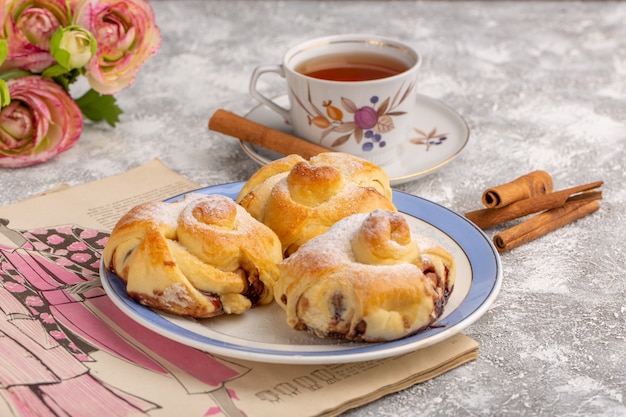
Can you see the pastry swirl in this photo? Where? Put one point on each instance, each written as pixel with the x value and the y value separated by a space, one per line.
pixel 300 199
pixel 200 256
pixel 366 279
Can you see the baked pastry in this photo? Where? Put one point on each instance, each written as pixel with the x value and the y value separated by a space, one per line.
pixel 300 199
pixel 368 278
pixel 200 256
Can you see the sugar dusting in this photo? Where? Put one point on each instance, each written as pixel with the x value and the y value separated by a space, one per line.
pixel 161 213
pixel 334 248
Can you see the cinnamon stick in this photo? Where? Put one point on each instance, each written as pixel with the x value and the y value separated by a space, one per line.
pixel 241 128
pixel 543 223
pixel 530 185
pixel 487 217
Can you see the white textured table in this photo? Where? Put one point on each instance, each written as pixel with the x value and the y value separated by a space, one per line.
pixel 541 85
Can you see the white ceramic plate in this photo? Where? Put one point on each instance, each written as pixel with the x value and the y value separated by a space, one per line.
pixel 262 334
pixel 440 132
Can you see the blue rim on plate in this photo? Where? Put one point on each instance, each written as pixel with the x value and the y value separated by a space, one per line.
pixel 482 279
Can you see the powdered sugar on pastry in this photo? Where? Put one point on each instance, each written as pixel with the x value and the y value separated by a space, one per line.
pixel 200 256
pixel 301 199
pixel 365 279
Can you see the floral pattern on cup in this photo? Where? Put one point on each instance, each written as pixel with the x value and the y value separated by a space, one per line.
pixel 369 122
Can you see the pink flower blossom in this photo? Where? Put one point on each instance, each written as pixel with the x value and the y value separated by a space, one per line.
pixel 41 121
pixel 63 261
pixel 28 26
pixel 55 239
pixel 88 233
pixel 47 318
pixel 34 301
pixel 76 246
pixel 13 287
pixel 64 230
pixel 80 257
pixel 127 37
pixel 57 334
pixel 5 266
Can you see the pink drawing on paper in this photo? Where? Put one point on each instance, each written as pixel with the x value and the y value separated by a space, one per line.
pixel 56 320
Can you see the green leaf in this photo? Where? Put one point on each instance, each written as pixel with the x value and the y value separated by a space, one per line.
pixel 98 107
pixel 5 96
pixel 4 50
pixel 63 58
pixel 55 40
pixel 54 71
pixel 6 76
pixel 62 76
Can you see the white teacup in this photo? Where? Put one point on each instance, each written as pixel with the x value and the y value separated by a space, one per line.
pixel 349 93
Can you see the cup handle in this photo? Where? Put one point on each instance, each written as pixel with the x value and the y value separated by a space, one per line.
pixel 256 74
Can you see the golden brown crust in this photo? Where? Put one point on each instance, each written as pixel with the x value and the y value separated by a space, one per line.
pixel 200 256
pixel 365 279
pixel 301 199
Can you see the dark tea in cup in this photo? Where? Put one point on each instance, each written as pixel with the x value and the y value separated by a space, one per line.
pixel 353 93
pixel 358 66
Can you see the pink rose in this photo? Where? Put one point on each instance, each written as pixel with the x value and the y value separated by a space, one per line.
pixel 127 37
pixel 41 121
pixel 28 27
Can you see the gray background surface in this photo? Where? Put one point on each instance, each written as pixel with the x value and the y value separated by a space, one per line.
pixel 542 85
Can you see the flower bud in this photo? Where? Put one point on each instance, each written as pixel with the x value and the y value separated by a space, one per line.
pixel 73 47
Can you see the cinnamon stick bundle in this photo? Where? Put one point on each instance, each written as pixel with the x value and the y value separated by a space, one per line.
pixel 529 194
pixel 530 185
pixel 280 142
pixel 487 217
pixel 544 223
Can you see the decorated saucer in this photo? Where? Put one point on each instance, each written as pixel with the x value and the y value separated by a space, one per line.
pixel 438 136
